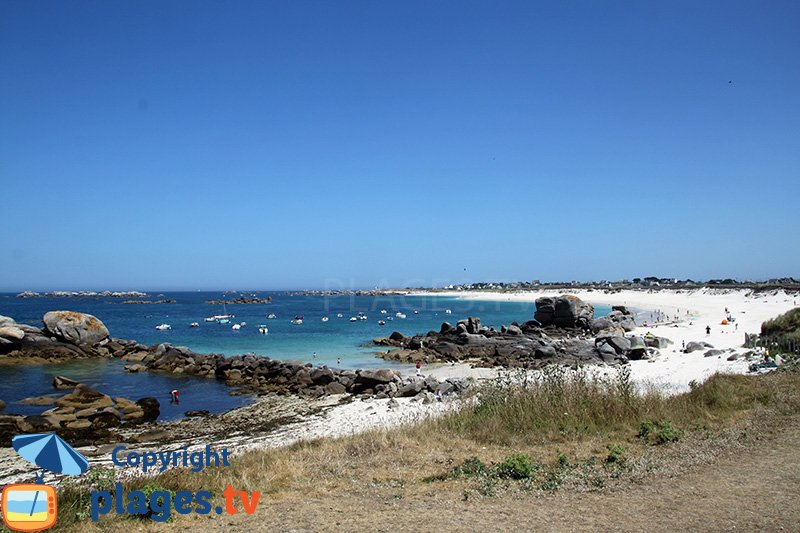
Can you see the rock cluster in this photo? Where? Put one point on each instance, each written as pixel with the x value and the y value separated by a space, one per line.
pixel 566 311
pixel 243 300
pixel 65 335
pixel 531 344
pixel 263 374
pixel 83 415
pixel 619 318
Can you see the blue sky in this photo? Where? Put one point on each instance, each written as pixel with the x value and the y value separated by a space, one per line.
pixel 205 145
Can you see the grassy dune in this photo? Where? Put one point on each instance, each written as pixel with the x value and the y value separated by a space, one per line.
pixel 564 431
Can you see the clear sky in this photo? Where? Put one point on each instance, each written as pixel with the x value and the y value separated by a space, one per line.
pixel 204 145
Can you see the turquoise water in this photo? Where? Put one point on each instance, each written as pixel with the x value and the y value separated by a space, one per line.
pixel 331 340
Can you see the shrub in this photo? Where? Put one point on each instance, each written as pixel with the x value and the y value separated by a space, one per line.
pixel 518 466
pixel 616 454
pixel 658 432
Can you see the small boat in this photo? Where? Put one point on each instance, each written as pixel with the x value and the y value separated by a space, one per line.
pixel 362 317
pixel 448 312
pixel 298 320
pixel 416 312
pixel 383 311
pixel 163 327
pixel 242 324
pixel 381 323
pixel 353 319
pixel 272 316
pixel 389 318
pixel 339 315
pixel 194 325
pixel 210 319
pixel 225 317
pixel 263 329
pixel 324 319
pixel 400 315
pixel 236 327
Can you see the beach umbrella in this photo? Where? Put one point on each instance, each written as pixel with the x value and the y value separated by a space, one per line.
pixel 49 452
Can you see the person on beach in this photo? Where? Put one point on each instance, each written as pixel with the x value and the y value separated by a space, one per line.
pixel 708 330
pixel 419 368
pixel 315 355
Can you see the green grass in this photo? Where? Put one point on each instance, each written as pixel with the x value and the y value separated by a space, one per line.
pixel 566 405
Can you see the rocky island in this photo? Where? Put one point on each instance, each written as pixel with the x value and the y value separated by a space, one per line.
pixel 242 300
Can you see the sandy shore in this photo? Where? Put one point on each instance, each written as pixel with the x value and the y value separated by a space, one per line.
pixel 687 315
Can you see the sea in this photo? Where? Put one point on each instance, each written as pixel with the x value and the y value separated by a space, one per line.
pixel 337 342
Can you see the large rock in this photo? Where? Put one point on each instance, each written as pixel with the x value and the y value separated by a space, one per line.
pixel 12 333
pixel 620 345
pixel 545 309
pixel 694 346
pixel 614 319
pixel 335 388
pixel 653 341
pixel 84 398
pixel 571 311
pixel 566 311
pixel 544 352
pixel 375 377
pixel 64 383
pixel 151 408
pixel 76 328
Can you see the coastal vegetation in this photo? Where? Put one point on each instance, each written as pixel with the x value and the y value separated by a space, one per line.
pixel 560 430
pixel 784 328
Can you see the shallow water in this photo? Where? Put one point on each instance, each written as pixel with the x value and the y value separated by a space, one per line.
pixel 109 377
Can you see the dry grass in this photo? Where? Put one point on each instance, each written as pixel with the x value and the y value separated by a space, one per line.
pixel 564 421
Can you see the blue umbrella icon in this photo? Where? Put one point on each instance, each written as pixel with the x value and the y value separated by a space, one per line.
pixel 50 452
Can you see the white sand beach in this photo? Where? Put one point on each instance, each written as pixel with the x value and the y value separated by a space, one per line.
pixel 688 313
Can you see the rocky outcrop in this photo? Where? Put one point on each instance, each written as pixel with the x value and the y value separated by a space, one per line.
pixel 66 335
pixel 619 317
pixel 82 416
pixel 75 328
pixel 566 311
pixel 696 345
pixel 526 345
pixel 244 300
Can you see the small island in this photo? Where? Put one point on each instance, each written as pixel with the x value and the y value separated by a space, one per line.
pixel 244 300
